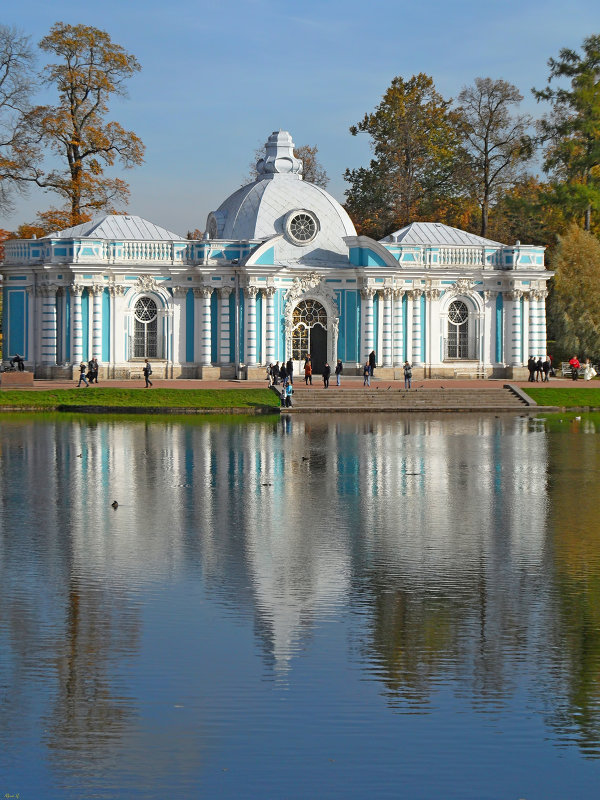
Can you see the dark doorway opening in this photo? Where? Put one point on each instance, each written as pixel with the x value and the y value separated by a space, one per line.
pixel 318 348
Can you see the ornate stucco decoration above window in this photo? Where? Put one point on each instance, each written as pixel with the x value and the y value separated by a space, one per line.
pixel 461 286
pixel 312 285
pixel 146 283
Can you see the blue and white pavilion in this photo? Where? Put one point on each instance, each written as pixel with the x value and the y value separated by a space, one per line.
pixel 280 273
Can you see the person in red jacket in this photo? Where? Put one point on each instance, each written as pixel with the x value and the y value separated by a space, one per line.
pixel 574 362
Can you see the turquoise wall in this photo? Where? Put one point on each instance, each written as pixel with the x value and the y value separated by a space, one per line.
pixel 189 326
pixel 85 324
pixel 499 326
pixel 105 326
pixel 15 313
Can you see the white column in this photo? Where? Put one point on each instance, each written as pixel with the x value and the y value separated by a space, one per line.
pixel 118 321
pixel 205 340
pixel 197 325
pixel 77 327
pixel 542 344
pixel 533 343
pixel 417 356
pixel 179 323
pixel 269 293
pixel 515 333
pixel 48 294
pixel 225 356
pixel 398 328
pixel 250 293
pixel 387 327
pixel 97 323
pixel 367 294
pixel 489 328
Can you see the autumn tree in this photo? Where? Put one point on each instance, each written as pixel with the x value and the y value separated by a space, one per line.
pixel 17 147
pixel 89 69
pixel 574 308
pixel 526 211
pixel 312 169
pixel 496 140
pixel 417 155
pixel 571 132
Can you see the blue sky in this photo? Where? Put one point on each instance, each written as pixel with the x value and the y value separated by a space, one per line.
pixel 218 77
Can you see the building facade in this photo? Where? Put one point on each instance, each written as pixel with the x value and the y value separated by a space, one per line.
pixel 280 273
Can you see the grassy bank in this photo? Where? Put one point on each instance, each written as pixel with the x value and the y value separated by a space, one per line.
pixel 573 397
pixel 137 398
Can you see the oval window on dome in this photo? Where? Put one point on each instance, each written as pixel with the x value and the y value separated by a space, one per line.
pixel 301 226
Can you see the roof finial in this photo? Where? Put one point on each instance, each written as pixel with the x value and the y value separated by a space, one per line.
pixel 279 158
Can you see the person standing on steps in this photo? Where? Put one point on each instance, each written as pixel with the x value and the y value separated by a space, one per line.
pixel 290 370
pixel 326 375
pixel 407 374
pixel 372 359
pixel 147 372
pixel 367 374
pixel 308 371
pixel 338 371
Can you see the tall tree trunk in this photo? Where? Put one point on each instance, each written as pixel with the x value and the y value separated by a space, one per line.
pixel 588 218
pixel 484 218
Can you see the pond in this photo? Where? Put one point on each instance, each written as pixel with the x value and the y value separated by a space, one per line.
pixel 323 606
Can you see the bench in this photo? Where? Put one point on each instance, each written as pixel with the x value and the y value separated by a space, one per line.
pixel 477 372
pixel 567 371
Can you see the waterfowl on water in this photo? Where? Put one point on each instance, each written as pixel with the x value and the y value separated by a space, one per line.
pixel 114 504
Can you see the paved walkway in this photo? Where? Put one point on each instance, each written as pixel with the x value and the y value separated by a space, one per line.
pixel 348 382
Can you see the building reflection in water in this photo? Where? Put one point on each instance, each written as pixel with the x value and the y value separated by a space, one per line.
pixel 449 538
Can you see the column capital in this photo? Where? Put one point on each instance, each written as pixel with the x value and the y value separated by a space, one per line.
pixel 433 293
pixel 203 291
pixel 399 294
pixel 116 290
pixel 180 291
pixel 514 294
pixel 224 292
pixel 76 289
pixel 96 289
pixel 268 291
pixel 368 292
pixel 47 290
pixel 415 294
pixel 250 291
pixel 388 293
pixel 488 295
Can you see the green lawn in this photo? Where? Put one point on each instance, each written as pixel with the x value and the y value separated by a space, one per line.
pixel 148 398
pixel 568 398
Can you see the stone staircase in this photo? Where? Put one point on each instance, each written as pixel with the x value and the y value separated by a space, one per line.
pixel 381 398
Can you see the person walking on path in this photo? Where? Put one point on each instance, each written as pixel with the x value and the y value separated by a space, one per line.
pixel 326 375
pixel 531 368
pixel 546 366
pixel 538 369
pixel 82 369
pixel 308 371
pixel 95 369
pixel 407 374
pixel 339 367
pixel 147 372
pixel 290 370
pixel 367 374
pixel 372 359
pixel 574 363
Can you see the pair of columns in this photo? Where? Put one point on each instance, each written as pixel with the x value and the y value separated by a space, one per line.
pixel 250 331
pixel 536 339
pixel 393 325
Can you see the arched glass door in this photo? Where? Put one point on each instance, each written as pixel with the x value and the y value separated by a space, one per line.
pixel 309 334
pixel 145 329
pixel 458 330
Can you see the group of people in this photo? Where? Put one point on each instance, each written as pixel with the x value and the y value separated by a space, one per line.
pixel 88 373
pixel 277 374
pixel 539 369
pixel 588 373
pixel 17 362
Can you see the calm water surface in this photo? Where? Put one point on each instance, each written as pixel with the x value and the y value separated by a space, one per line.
pixel 327 607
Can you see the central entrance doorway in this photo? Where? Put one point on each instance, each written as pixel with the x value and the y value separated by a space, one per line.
pixel 309 335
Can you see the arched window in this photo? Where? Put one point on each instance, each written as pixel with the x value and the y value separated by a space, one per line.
pixel 145 328
pixel 458 330
pixel 306 315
